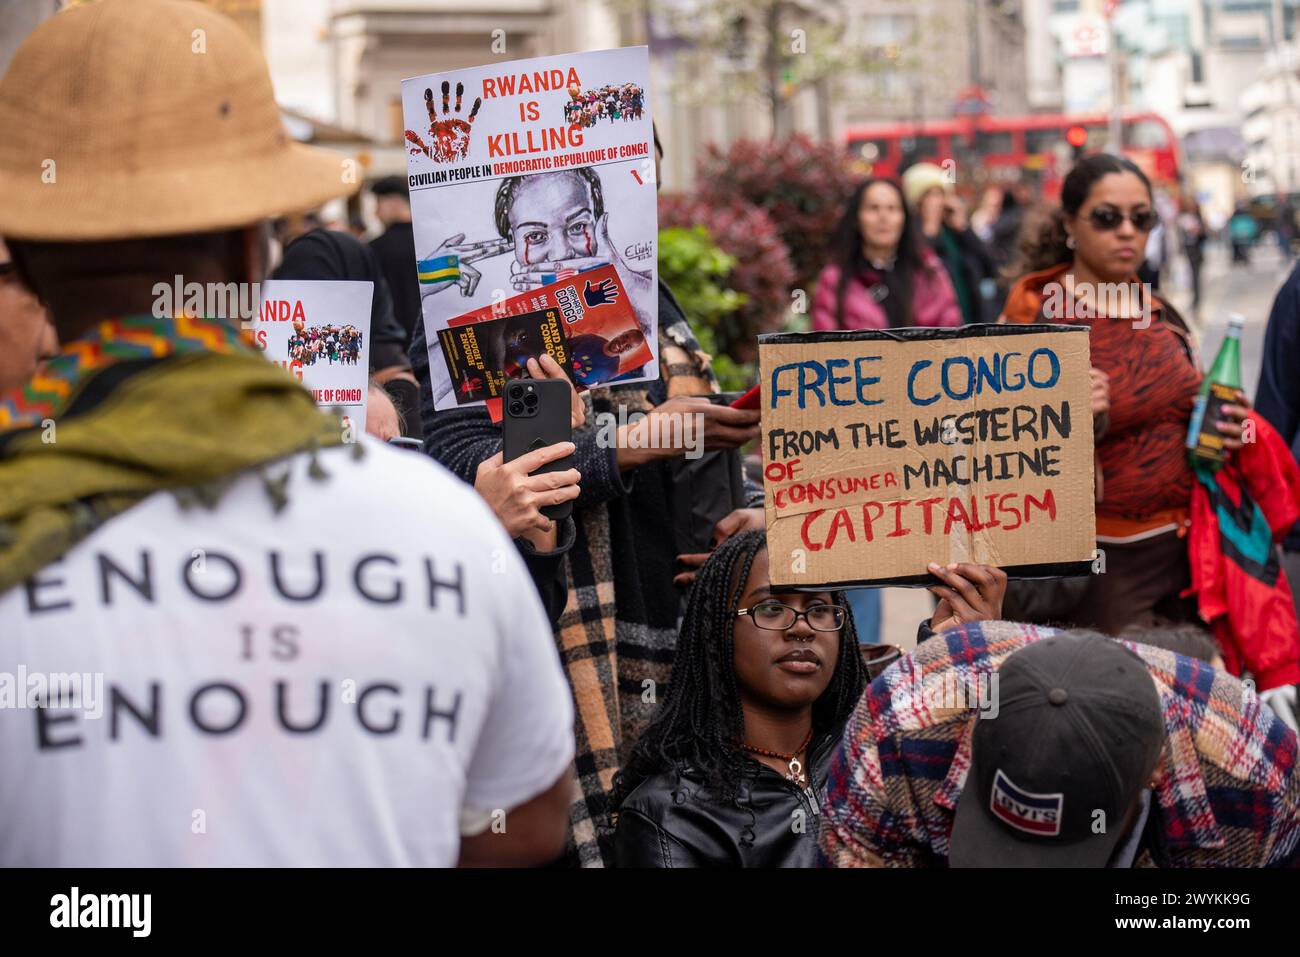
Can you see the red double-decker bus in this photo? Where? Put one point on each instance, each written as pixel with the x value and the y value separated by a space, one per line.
pixel 999 149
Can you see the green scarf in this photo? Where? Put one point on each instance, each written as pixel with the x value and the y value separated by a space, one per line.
pixel 138 406
pixel 955 262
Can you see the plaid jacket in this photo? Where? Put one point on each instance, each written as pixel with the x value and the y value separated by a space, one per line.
pixel 1227 793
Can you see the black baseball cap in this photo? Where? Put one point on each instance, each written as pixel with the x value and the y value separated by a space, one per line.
pixel 391 186
pixel 1077 730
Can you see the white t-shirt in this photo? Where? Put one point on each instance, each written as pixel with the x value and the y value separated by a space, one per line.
pixel 365 663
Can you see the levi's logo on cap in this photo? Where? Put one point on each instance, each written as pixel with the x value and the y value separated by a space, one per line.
pixel 1038 814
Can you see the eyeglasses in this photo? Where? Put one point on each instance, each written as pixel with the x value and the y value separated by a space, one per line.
pixel 1106 218
pixel 778 616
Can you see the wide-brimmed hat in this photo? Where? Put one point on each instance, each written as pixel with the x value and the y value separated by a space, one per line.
pixel 125 119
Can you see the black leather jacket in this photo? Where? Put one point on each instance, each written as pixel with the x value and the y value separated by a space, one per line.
pixel 670 820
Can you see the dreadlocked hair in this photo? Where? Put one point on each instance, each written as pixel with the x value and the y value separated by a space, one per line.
pixel 699 723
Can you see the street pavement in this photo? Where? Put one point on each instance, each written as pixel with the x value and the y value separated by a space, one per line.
pixel 1245 288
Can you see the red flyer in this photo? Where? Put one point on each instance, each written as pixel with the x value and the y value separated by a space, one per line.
pixel 605 341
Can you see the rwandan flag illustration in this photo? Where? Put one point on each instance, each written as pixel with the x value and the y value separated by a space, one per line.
pixel 438 268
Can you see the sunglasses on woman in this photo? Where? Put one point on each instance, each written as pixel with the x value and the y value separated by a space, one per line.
pixel 778 616
pixel 1107 217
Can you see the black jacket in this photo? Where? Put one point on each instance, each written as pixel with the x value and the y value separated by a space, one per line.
pixel 329 254
pixel 1277 398
pixel 671 820
pixel 395 252
pixel 973 264
pixel 547 569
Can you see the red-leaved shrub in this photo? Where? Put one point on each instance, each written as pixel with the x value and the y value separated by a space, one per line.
pixel 762 271
pixel 801 184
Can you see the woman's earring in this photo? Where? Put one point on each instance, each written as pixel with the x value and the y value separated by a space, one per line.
pixel 1069 242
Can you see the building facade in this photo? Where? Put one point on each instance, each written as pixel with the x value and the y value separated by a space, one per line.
pixel 1272 125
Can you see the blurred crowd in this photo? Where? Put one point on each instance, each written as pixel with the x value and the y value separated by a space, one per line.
pixel 624 685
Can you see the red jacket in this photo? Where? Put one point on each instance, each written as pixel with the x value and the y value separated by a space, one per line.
pixel 1236 572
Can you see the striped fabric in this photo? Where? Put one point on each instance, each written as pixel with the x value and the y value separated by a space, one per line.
pixel 117 340
pixel 1227 794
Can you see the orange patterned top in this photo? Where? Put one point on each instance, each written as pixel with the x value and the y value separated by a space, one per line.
pixel 1153 383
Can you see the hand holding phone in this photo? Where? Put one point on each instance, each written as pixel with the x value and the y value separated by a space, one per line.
pixel 547 368
pixel 516 496
pixel 536 419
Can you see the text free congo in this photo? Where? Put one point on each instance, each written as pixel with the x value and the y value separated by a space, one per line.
pixel 845 382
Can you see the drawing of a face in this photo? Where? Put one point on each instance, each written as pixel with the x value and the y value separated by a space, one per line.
pixel 552 219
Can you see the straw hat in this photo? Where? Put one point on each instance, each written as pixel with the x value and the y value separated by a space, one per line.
pixel 920 178
pixel 116 126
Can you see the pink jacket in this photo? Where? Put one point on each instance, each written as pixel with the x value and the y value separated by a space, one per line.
pixel 933 301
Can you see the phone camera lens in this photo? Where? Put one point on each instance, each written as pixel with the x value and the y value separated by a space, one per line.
pixel 516 391
pixel 516 408
pixel 530 400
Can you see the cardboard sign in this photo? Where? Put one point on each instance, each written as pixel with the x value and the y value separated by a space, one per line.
pixel 320 331
pixel 525 176
pixel 886 450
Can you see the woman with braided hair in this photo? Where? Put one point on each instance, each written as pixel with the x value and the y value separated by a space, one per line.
pixel 730 770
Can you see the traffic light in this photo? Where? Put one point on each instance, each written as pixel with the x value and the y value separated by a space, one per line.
pixel 1076 136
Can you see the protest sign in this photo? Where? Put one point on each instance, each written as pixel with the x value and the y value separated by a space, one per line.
pixel 605 340
pixel 320 331
pixel 482 355
pixel 886 450
pixel 526 177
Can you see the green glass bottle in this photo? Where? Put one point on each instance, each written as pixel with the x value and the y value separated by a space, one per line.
pixel 1221 386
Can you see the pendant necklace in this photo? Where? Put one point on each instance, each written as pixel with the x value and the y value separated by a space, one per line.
pixel 796 773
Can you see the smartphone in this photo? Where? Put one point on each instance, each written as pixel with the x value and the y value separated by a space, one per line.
pixel 536 414
pixel 749 400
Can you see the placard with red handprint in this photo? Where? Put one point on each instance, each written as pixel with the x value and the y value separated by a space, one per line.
pixel 537 174
pixel 449 134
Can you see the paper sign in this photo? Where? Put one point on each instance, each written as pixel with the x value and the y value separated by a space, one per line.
pixel 482 355
pixel 886 450
pixel 320 331
pixel 607 344
pixel 528 174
